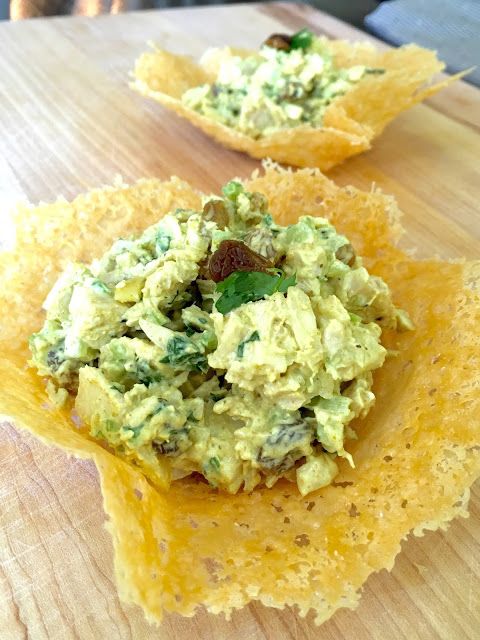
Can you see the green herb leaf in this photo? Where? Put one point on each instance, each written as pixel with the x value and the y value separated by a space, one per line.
pixel 267 220
pixel 162 242
pixel 284 283
pixel 100 287
pixel 248 286
pixel 253 337
pixel 184 354
pixel 145 374
pixel 232 190
pixel 302 39
pixel 215 463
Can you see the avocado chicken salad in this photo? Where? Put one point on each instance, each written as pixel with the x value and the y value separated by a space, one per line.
pixel 220 343
pixel 289 82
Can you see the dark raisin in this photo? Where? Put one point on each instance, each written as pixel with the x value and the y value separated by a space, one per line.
pixel 279 41
pixel 165 448
pixel 276 465
pixel 55 357
pixel 233 255
pixel 346 254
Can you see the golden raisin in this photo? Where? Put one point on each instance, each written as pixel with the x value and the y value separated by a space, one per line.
pixel 215 210
pixel 346 254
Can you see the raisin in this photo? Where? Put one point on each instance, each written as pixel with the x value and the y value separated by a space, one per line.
pixel 167 448
pixel 279 41
pixel 346 254
pixel 233 255
pixel 258 202
pixel 55 357
pixel 215 210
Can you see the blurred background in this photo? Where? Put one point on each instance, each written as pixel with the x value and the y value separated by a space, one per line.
pixel 352 11
pixel 451 27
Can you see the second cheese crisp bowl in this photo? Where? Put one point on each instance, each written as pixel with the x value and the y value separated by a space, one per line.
pixel 300 100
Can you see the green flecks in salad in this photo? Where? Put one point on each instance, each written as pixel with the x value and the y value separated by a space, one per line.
pixel 221 343
pixel 289 82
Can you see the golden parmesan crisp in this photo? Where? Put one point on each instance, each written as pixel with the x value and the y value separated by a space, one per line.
pixel 350 122
pixel 416 456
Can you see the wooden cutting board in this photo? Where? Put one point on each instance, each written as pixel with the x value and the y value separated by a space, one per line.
pixel 68 122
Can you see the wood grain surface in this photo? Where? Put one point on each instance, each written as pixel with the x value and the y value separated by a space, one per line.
pixel 68 122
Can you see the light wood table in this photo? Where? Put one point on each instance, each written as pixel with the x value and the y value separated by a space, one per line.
pixel 68 122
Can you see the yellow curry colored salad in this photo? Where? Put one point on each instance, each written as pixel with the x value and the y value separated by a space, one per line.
pixel 221 343
pixel 289 83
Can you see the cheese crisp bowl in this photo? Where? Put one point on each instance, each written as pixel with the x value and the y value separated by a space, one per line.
pixel 246 526
pixel 301 100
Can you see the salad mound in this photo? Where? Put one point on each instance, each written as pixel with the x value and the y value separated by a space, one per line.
pixel 290 82
pixel 221 343
pixel 303 100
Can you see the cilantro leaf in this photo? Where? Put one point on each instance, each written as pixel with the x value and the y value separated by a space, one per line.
pixel 285 282
pixel 184 354
pixel 253 337
pixel 302 39
pixel 248 286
